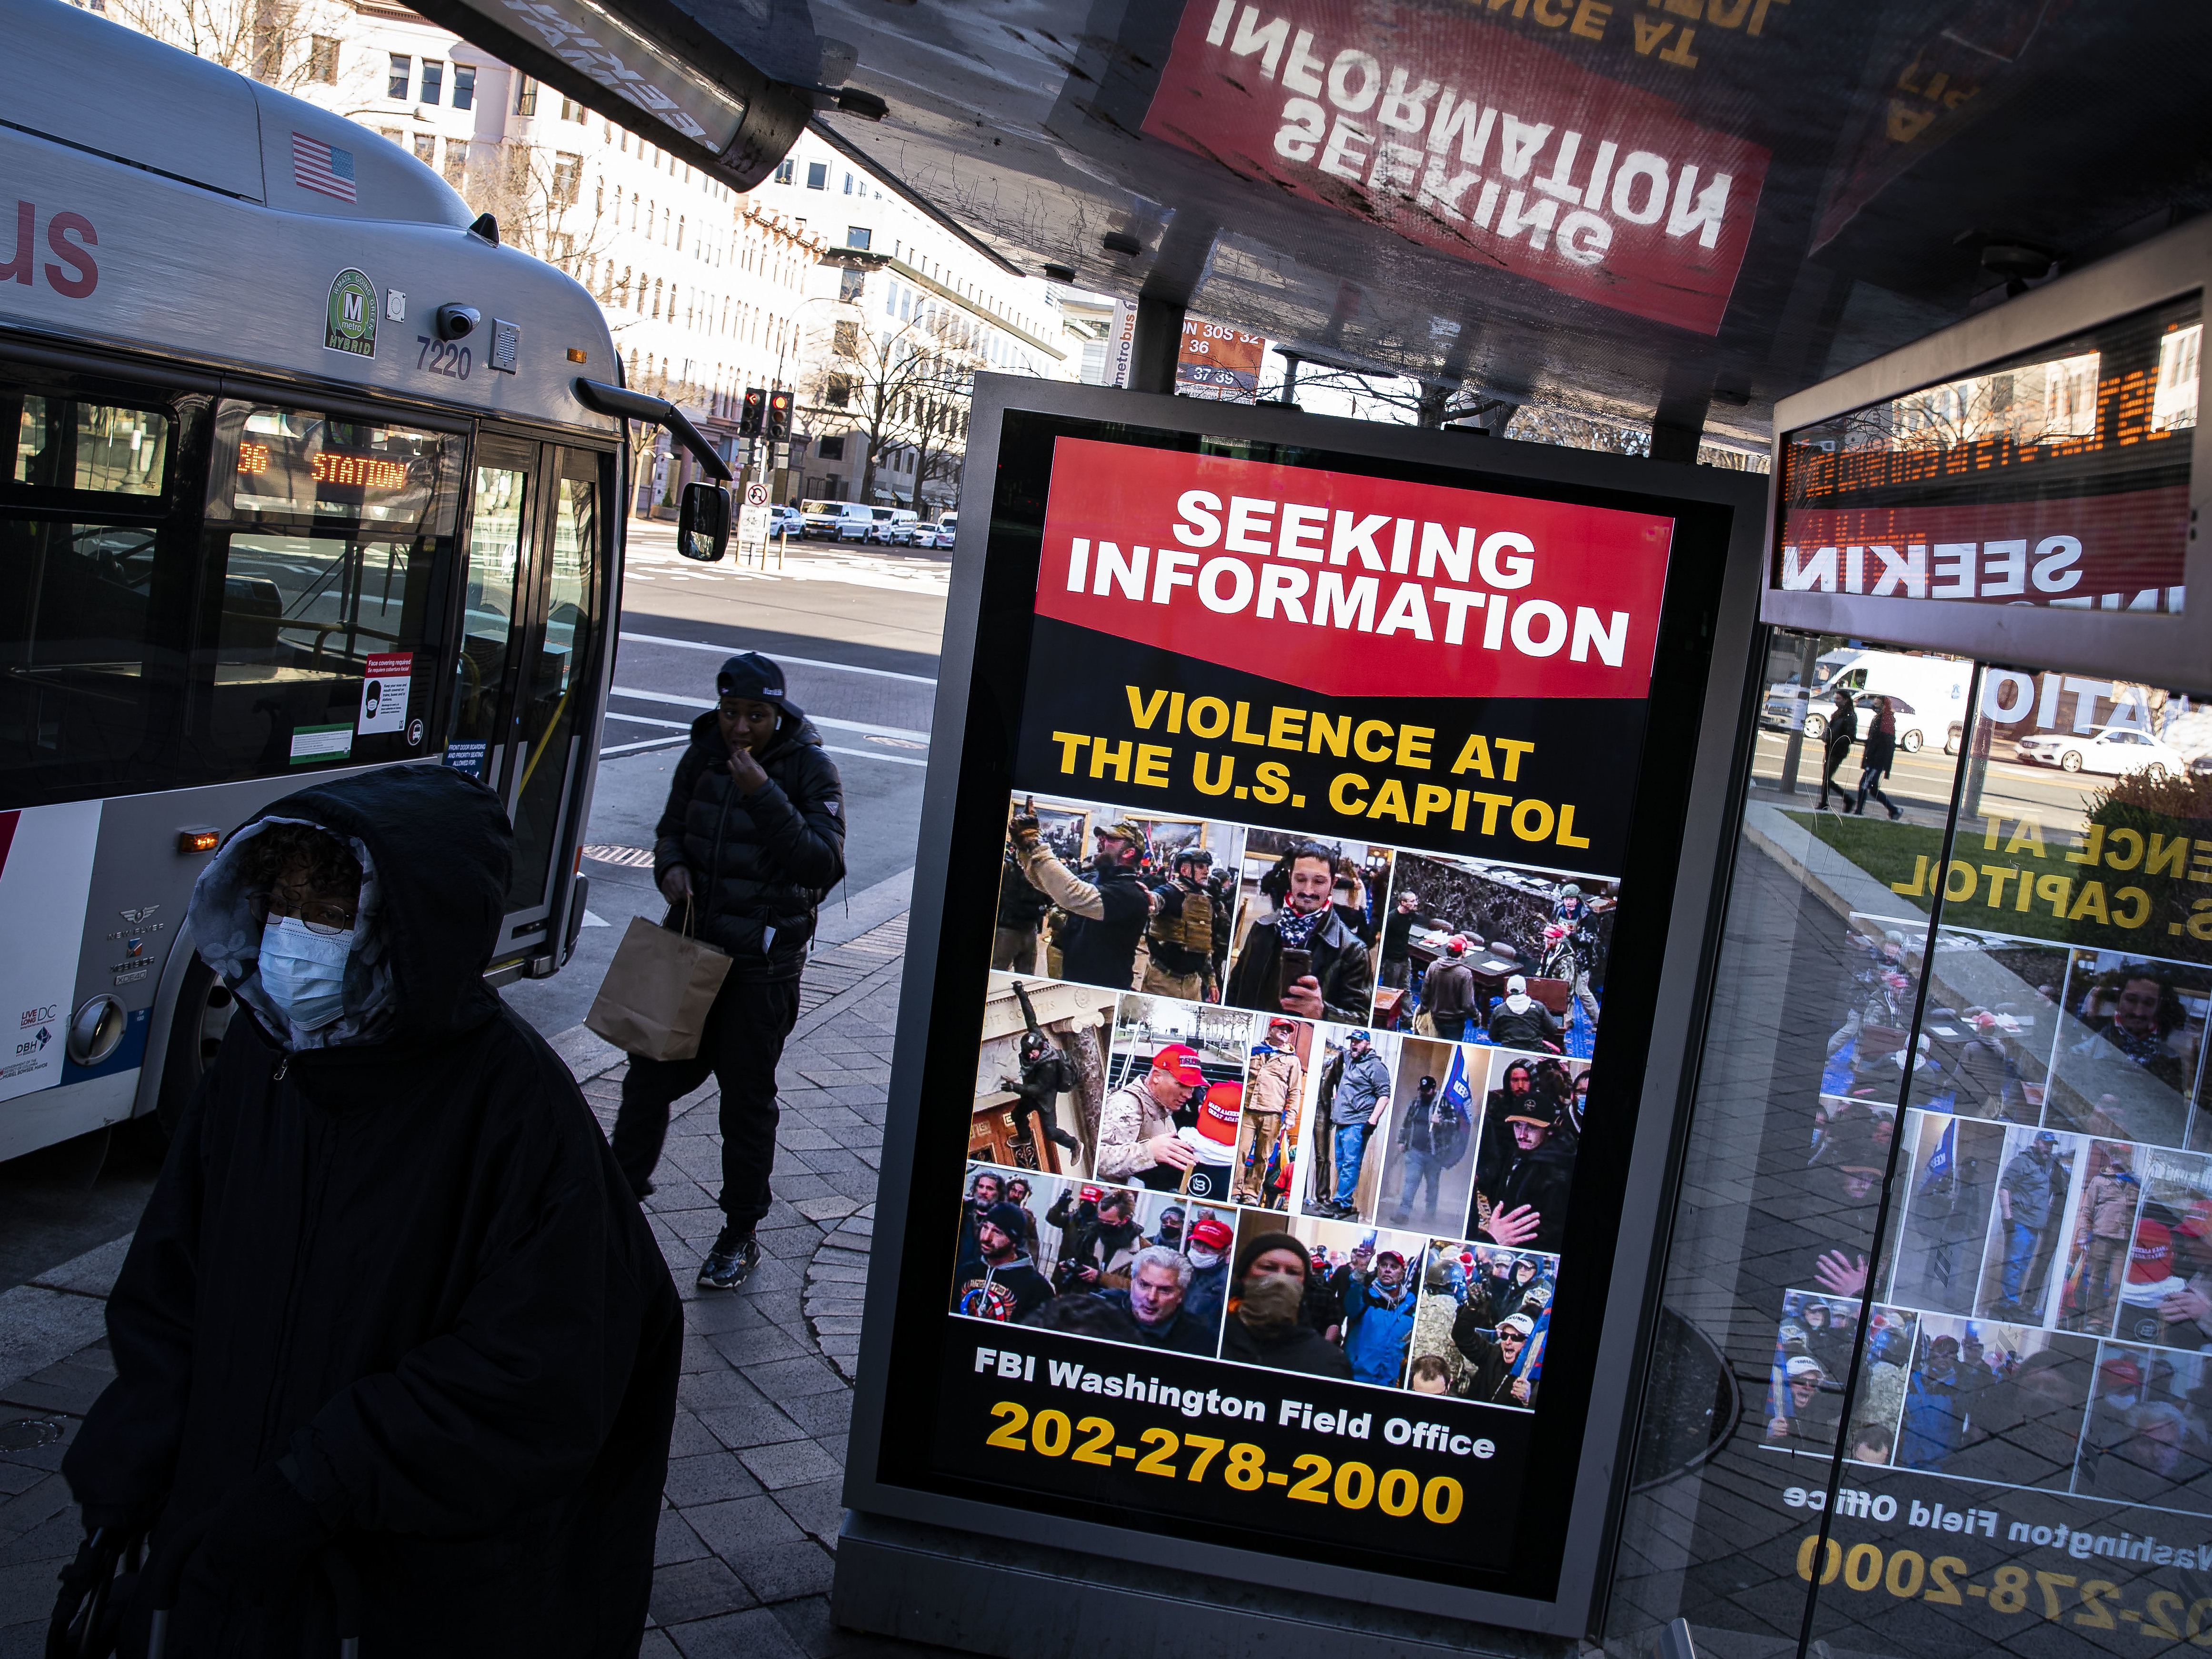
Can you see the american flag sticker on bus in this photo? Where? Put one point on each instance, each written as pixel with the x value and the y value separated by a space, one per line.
pixel 322 168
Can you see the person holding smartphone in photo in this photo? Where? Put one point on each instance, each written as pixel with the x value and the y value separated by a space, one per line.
pixel 1305 959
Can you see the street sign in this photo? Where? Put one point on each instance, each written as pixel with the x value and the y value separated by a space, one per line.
pixel 752 522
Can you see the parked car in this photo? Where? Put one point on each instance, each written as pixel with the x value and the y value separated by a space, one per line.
pixel 896 530
pixel 821 518
pixel 2115 751
pixel 940 534
pixel 859 523
pixel 786 521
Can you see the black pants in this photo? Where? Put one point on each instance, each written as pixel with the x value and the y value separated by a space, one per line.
pixel 740 1046
pixel 1832 758
pixel 1870 784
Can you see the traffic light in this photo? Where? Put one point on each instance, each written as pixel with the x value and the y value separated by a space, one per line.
pixel 748 419
pixel 779 417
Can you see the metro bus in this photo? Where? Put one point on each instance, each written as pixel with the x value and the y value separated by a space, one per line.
pixel 298 484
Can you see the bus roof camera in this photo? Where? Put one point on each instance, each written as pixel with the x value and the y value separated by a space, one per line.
pixel 457 322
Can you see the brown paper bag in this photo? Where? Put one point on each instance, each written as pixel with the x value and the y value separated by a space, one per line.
pixel 654 1000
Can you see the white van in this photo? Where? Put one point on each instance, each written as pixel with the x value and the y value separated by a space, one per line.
pixel 898 529
pixel 831 518
pixel 1929 693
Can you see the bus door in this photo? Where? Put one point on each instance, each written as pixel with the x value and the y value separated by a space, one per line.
pixel 533 610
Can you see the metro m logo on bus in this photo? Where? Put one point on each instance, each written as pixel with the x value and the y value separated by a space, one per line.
pixel 349 319
pixel 1286 636
pixel 1458 135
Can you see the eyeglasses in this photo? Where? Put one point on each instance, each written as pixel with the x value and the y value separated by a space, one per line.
pixel 319 915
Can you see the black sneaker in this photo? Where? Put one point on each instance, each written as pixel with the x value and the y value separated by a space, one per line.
pixel 731 1263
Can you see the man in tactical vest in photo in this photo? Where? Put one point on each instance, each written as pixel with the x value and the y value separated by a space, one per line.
pixel 1106 916
pixel 1181 938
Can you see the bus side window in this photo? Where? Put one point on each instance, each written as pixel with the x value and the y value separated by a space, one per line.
pixel 329 536
pixel 91 596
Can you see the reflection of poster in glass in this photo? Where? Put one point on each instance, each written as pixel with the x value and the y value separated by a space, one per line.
pixel 1463 138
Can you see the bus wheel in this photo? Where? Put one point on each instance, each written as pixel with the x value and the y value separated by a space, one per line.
pixel 204 1008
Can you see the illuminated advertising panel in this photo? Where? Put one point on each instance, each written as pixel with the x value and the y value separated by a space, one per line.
pixel 2060 479
pixel 1286 1025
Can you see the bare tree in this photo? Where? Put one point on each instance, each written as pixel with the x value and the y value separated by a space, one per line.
pixel 542 202
pixel 902 388
pixel 287 44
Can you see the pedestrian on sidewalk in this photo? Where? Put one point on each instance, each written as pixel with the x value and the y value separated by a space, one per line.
pixel 1876 759
pixel 752 839
pixel 390 1295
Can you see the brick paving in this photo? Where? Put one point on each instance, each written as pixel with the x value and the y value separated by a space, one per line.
pixel 750 1524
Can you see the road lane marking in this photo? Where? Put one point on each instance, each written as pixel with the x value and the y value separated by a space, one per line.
pixel 862 726
pixel 801 662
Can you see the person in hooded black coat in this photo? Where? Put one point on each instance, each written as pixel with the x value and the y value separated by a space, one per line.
pixel 751 842
pixel 390 1295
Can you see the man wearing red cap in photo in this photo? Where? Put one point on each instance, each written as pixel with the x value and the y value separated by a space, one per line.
pixel 1448 991
pixel 1136 1126
pixel 1206 1243
pixel 1278 1084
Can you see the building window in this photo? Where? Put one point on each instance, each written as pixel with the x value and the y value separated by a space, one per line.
pixel 465 86
pixel 572 111
pixel 525 95
pixel 833 449
pixel 426 147
pixel 847 340
pixel 680 222
pixel 818 175
pixel 859 236
pixel 433 81
pixel 457 161
pixel 850 282
pixel 838 394
pixel 567 178
pixel 323 60
pixel 848 184
pixel 785 170
pixel 393 134
pixel 403 68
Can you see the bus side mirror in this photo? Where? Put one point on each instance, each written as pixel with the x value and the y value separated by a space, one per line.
pixel 702 524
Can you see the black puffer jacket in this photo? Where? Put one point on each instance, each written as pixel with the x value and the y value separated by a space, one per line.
pixel 758 862
pixel 407 1273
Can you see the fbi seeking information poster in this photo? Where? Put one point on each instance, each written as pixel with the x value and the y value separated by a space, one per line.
pixel 1312 865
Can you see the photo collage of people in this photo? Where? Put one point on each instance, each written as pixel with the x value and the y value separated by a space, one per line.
pixel 2043 1316
pixel 1308 1105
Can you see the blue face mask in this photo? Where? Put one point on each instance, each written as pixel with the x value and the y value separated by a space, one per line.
pixel 304 972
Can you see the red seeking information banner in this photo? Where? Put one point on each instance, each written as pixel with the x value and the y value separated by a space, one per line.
pixel 1351 586
pixel 2124 550
pixel 1468 139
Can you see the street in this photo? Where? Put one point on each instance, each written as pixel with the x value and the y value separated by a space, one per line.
pixel 856 630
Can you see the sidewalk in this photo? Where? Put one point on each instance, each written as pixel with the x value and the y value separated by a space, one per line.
pixel 752 1502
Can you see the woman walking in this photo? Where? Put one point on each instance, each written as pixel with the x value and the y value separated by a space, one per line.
pixel 1836 746
pixel 1881 754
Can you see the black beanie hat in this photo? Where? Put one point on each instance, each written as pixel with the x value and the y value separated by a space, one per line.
pixel 754 676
